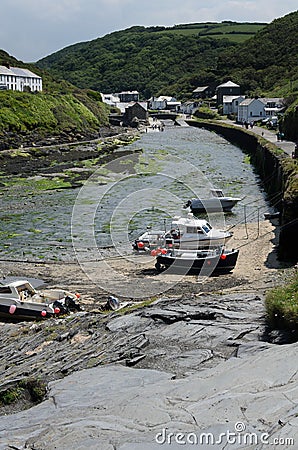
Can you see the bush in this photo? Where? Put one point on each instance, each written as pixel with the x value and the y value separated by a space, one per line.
pixel 206 113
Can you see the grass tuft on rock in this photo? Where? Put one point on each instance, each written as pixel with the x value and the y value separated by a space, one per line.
pixel 282 305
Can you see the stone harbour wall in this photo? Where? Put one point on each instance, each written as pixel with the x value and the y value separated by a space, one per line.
pixel 279 175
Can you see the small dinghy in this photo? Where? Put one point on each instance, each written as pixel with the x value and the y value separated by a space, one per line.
pixel 20 301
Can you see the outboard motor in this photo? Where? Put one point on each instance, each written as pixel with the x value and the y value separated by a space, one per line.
pixel 187 204
pixel 62 307
pixel 71 304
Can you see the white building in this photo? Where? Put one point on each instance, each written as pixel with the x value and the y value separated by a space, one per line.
pixel 189 107
pixel 164 102
pixel 19 79
pixel 253 109
pixel 110 99
pixel 230 103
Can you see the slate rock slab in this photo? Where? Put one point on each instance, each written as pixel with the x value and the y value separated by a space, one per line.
pixel 114 407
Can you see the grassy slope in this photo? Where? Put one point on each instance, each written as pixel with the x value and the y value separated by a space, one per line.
pixel 59 108
pixel 52 113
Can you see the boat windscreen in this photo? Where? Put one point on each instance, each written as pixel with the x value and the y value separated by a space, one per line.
pixel 5 290
pixel 206 228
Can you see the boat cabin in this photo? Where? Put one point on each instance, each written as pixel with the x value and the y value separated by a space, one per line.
pixel 217 193
pixel 190 225
pixel 17 290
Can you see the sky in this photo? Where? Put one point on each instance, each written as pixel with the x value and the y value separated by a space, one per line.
pixel 33 29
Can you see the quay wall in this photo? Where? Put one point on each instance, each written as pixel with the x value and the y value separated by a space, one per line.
pixel 279 175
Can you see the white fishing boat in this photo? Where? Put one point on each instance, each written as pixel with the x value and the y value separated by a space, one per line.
pixel 216 203
pixel 185 232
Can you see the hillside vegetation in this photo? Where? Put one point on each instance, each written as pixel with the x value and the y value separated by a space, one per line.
pixel 174 61
pixel 151 60
pixel 267 63
pixel 22 111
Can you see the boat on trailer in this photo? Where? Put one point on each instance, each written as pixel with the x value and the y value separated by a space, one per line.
pixel 203 261
pixel 20 301
pixel 216 203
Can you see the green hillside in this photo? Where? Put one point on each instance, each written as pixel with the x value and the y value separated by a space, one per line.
pixel 175 60
pixel 267 63
pixel 147 59
pixel 233 31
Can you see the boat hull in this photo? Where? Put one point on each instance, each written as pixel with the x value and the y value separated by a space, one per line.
pixel 205 265
pixel 25 313
pixel 213 205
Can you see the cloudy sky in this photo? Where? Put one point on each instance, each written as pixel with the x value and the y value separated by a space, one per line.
pixel 32 29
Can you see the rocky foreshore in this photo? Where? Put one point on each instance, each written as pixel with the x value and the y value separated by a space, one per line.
pixel 30 157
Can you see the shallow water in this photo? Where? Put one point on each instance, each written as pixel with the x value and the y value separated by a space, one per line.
pixel 176 165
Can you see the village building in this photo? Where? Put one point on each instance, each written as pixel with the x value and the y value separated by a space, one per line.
pixel 231 103
pixel 164 102
pixel 203 92
pixel 128 96
pixel 226 89
pixel 110 99
pixel 254 109
pixel 190 107
pixel 19 79
pixel 135 113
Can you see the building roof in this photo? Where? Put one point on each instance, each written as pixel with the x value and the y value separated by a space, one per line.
pixel 230 98
pixel 124 105
pixel 248 101
pixel 164 98
pixel 128 92
pixel 201 89
pixel 228 84
pixel 143 105
pixel 17 71
pixel 277 101
pixel 264 100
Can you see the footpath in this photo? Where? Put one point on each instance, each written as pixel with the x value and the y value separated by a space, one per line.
pixel 270 135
